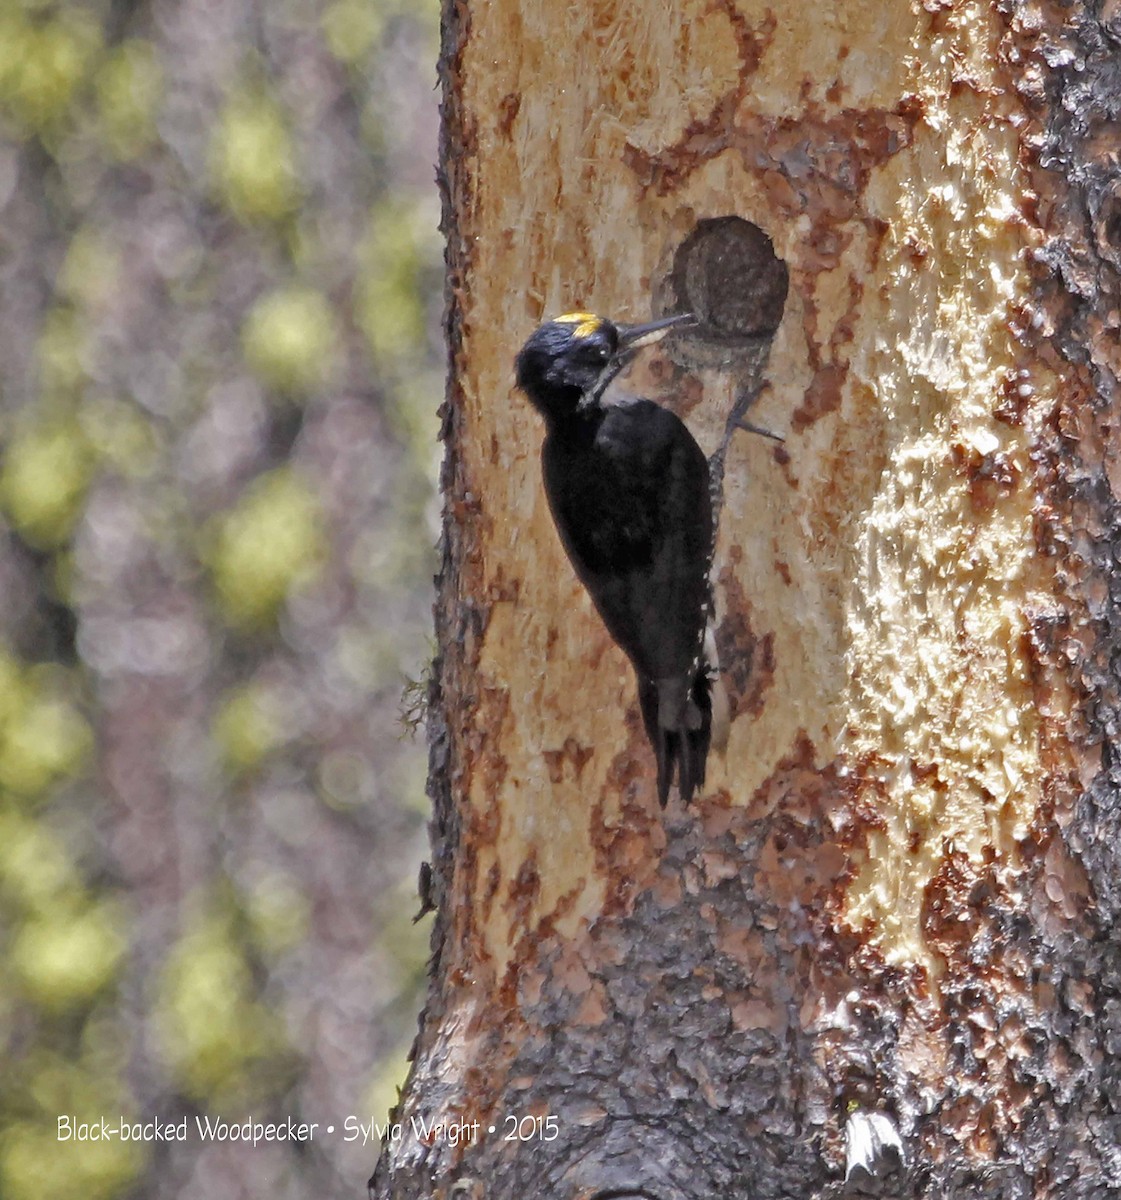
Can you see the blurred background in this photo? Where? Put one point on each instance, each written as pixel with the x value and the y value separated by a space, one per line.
pixel 220 366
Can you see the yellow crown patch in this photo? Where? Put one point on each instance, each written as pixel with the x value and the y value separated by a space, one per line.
pixel 586 323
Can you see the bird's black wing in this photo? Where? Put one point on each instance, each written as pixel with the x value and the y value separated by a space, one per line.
pixel 630 497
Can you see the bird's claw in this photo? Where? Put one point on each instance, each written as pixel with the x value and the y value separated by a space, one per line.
pixel 751 427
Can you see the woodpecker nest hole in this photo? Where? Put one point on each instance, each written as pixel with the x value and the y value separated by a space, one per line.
pixel 725 272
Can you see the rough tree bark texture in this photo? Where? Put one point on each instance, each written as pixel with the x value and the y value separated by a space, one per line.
pixel 899 894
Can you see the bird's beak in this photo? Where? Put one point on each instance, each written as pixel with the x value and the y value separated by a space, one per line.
pixel 634 337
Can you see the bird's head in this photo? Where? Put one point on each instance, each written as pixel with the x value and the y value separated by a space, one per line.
pixel 569 361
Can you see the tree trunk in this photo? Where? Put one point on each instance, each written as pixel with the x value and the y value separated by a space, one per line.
pixel 879 954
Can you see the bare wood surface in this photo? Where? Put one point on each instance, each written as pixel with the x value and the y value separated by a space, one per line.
pixel 874 909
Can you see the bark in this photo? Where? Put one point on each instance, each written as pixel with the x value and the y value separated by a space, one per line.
pixel 880 953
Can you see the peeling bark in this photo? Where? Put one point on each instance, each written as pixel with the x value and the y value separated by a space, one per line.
pixel 895 909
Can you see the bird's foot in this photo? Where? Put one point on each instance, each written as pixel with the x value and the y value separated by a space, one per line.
pixel 751 427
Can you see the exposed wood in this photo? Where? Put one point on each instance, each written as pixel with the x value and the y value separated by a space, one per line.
pixel 875 908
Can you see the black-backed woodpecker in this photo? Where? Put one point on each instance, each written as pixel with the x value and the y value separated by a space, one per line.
pixel 629 491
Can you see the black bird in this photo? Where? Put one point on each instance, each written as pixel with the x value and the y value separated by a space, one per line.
pixel 629 491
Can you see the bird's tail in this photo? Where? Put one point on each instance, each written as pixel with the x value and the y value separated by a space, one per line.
pixel 678 716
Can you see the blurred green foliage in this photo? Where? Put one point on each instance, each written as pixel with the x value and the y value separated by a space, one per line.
pixel 64 955
pixel 246 728
pixel 45 61
pixel 129 86
pixel 252 157
pixel 288 338
pixel 263 546
pixel 213 1033
pixel 389 310
pixel 47 469
pixel 34 1163
pixel 43 737
pixel 220 366
pixel 351 27
pixel 36 869
pixel 277 913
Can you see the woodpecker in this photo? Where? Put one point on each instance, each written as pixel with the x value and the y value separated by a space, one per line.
pixel 628 488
